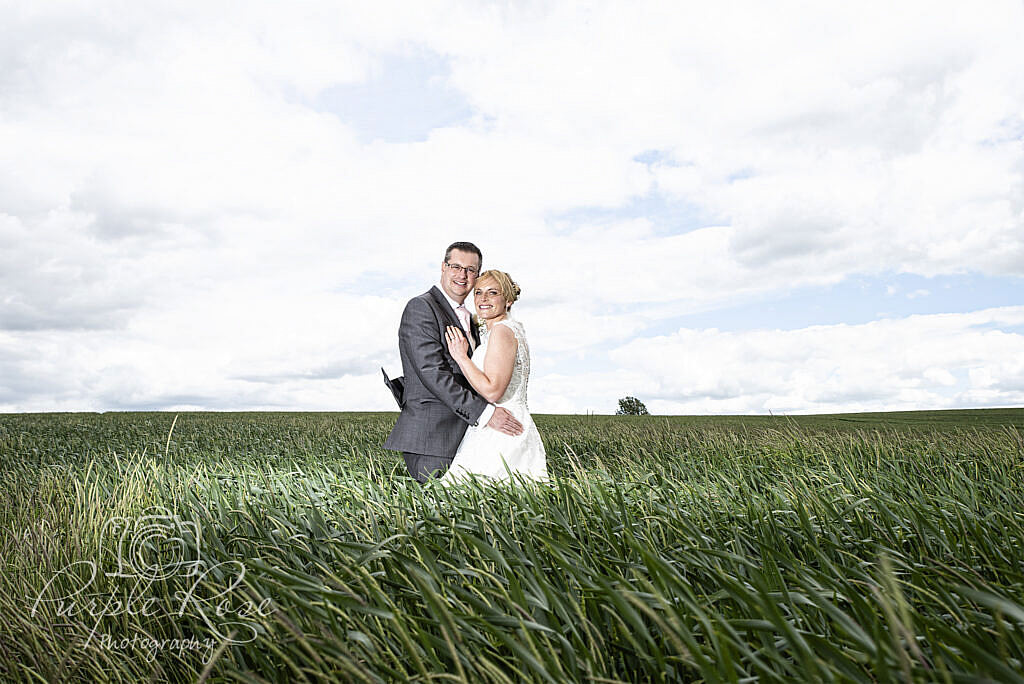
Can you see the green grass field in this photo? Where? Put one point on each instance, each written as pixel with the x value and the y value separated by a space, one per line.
pixel 291 547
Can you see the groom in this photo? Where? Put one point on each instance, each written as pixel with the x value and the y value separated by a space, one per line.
pixel 438 403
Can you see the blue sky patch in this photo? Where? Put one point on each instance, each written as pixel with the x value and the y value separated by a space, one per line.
pixel 668 216
pixel 405 98
pixel 859 300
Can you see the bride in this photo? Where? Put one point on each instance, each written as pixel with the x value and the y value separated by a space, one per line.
pixel 502 379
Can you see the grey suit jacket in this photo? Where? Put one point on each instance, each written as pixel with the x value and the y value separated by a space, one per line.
pixel 439 403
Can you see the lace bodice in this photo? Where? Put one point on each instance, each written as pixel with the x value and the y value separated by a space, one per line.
pixel 516 390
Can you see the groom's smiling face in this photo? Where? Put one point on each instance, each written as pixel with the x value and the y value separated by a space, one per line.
pixel 455 279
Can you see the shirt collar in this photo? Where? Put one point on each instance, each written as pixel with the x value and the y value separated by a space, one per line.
pixel 454 304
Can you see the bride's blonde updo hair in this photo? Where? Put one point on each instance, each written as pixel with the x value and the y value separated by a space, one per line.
pixel 508 288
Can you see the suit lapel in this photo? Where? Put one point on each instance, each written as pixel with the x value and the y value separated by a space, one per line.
pixel 475 329
pixel 446 308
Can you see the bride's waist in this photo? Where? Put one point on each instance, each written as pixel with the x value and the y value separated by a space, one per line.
pixel 513 404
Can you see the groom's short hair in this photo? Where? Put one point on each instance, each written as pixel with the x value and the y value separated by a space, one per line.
pixel 464 247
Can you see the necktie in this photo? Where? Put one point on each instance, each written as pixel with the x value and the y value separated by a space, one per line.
pixel 463 313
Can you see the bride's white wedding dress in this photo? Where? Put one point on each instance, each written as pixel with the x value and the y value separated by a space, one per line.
pixel 485 452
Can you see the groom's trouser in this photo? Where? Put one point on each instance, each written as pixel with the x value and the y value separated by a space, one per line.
pixel 425 466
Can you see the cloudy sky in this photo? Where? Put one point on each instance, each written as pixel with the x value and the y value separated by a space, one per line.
pixel 715 207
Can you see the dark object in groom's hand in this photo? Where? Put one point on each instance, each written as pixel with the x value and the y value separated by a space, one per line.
pixel 397 387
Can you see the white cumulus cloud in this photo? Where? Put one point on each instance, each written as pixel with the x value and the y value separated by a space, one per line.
pixel 933 361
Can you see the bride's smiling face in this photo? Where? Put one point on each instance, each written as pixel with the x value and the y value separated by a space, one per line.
pixel 488 300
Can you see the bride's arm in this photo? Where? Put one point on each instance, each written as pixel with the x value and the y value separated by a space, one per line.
pixel 493 380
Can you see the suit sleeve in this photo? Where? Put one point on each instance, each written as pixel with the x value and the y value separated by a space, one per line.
pixel 418 335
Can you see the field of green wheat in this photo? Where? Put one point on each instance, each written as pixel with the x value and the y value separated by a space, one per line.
pixel 292 547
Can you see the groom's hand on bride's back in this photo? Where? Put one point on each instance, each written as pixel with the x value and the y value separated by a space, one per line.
pixel 503 421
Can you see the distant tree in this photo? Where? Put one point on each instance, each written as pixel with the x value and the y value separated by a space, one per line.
pixel 631 406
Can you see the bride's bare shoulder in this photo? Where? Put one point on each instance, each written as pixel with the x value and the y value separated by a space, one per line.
pixel 502 333
pixel 511 324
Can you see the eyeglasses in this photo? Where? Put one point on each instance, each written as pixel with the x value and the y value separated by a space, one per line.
pixel 468 270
